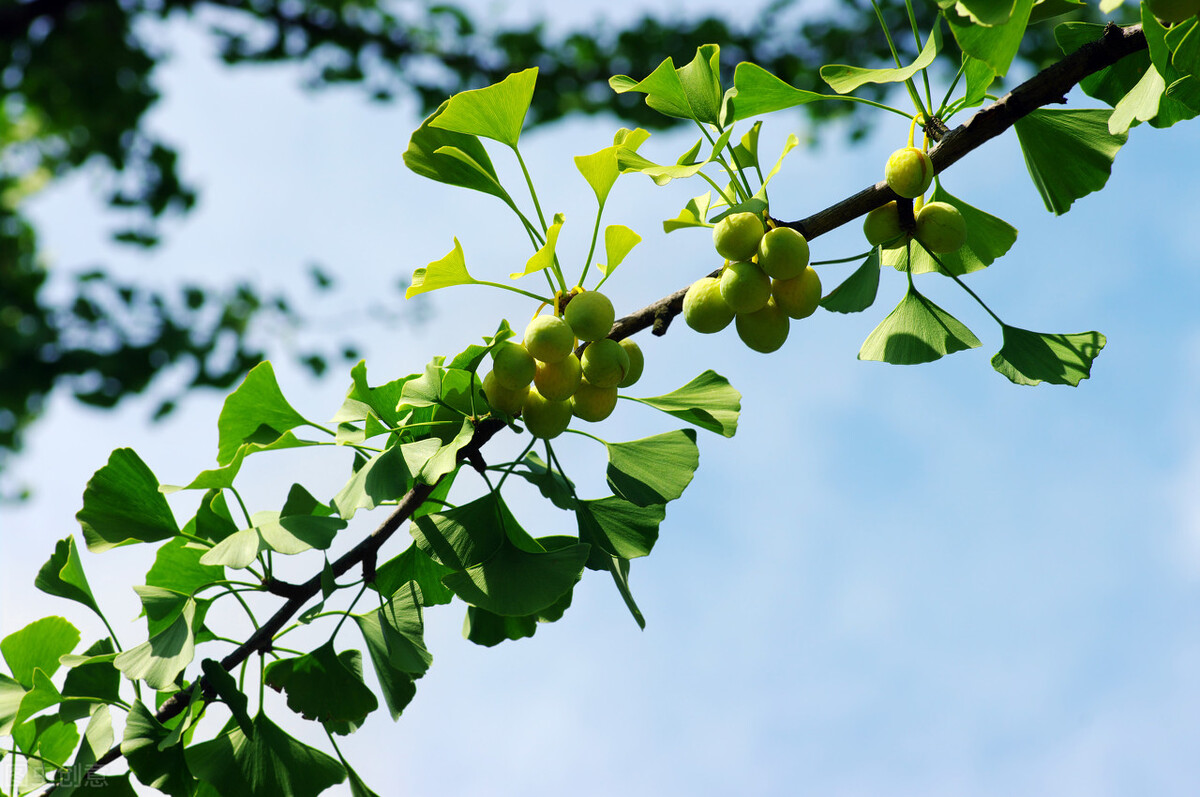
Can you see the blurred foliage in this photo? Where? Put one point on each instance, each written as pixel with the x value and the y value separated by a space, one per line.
pixel 76 82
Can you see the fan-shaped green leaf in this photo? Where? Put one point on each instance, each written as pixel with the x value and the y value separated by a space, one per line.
pixel 164 656
pixel 917 331
pixel 321 686
pixel 449 271
pixel 690 92
pixel 1069 154
pixel 543 257
pixel 995 45
pixel 845 79
pixel 618 527
pixel 759 92
pixel 857 292
pixel 496 112
pixel 122 504
pixel 63 576
pixel 653 470
pixel 38 646
pixel 1028 358
pixel 708 401
pixel 266 763
pixel 619 241
pixel 692 215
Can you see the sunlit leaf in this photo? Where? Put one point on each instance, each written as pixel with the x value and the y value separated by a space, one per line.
pixel 449 271
pixel 544 257
pixel 631 161
pixel 845 79
pixel 38 646
pixel 619 241
pixel 1069 154
pixel 63 576
pixel 917 331
pixel 690 92
pixel 496 112
pixel 995 45
pixel 618 527
pixel 708 401
pixel 323 685
pixel 266 763
pixel 164 656
pixel 759 92
pixel 1140 104
pixel 692 215
pixel 429 155
pixel 857 292
pixel 986 12
pixel 122 504
pixel 653 470
pixel 1028 358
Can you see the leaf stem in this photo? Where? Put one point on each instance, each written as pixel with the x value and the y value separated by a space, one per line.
pixel 532 191
pixel 841 259
pixel 592 249
pixel 912 88
pixel 963 285
pixel 912 23
pixel 502 286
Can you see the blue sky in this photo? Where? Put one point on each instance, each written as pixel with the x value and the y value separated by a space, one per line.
pixel 893 580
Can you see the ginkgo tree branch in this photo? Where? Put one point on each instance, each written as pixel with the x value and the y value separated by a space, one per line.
pixel 1049 86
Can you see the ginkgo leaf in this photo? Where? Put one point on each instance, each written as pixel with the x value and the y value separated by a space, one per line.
pixel 619 241
pixel 544 256
pixel 449 271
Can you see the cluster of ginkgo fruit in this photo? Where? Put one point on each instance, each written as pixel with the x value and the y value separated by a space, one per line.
pixel 940 227
pixel 766 281
pixel 544 381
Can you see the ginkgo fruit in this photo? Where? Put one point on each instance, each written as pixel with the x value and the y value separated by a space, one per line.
pixel 941 227
pixel 590 315
pixel 783 253
pixel 908 172
pixel 745 287
pixel 764 330
pixel 502 398
pixel 800 296
pixel 604 363
pixel 882 224
pixel 543 417
pixel 549 338
pixel 591 403
pixel 704 309
pixel 637 362
pixel 558 381
pixel 513 365
pixel 737 235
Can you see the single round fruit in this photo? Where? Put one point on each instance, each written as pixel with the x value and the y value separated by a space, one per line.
pixel 593 403
pixel 941 228
pixel 557 381
pixel 513 365
pixel 704 309
pixel 605 363
pixel 909 171
pixel 737 235
pixel 549 339
pixel 1174 10
pixel 765 330
pixel 800 296
pixel 783 253
pixel 501 398
pixel 745 287
pixel 590 315
pixel 545 418
pixel 882 224
pixel 637 362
